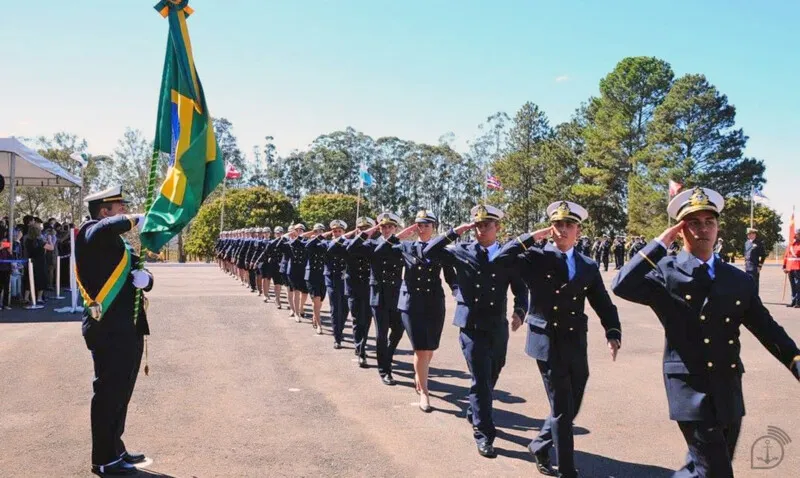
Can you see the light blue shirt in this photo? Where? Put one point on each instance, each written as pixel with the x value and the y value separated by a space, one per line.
pixel 709 262
pixel 492 250
pixel 571 262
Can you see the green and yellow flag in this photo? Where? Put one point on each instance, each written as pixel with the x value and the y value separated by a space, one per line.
pixel 184 131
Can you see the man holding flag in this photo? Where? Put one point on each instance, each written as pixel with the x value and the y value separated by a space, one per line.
pixel 791 263
pixel 110 276
pixel 110 285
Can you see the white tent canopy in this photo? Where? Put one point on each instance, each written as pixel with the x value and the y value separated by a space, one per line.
pixel 22 166
pixel 30 168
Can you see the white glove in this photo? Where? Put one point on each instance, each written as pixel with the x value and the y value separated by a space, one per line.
pixel 138 219
pixel 140 279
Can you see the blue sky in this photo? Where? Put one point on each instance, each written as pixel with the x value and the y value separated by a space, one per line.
pixel 413 69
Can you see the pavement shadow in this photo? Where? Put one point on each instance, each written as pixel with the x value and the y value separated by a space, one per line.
pixel 142 472
pixel 47 314
pixel 598 466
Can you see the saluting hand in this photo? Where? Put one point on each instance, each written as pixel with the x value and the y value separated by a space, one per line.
pixel 614 345
pixel 409 231
pixel 464 228
pixel 545 233
pixel 669 236
pixel 327 234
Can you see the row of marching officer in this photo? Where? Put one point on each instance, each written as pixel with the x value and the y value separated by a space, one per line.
pixel 361 273
pixel 697 300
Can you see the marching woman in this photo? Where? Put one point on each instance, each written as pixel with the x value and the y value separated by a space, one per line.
pixel 297 271
pixel 274 264
pixel 421 301
pixel 286 257
pixel 315 275
pixel 263 265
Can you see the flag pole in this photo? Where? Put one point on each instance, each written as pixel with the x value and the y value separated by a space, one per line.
pixel 751 206
pixel 358 201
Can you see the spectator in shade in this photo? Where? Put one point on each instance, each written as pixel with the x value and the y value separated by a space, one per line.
pixel 34 248
pixel 5 272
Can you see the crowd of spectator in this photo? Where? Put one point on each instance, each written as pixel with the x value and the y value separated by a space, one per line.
pixel 43 242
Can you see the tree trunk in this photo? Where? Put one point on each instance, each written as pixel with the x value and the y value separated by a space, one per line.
pixel 181 254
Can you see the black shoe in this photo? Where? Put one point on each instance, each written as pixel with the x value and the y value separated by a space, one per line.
pixel 117 469
pixel 133 458
pixel 362 362
pixel 337 345
pixel 388 380
pixel 543 465
pixel 486 450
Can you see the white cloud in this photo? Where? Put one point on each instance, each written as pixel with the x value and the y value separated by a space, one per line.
pixel 562 78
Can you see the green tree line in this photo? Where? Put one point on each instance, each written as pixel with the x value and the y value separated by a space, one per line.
pixel 615 155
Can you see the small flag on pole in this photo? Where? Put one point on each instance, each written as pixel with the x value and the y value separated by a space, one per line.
pixel 674 188
pixel 81 158
pixel 366 178
pixel 493 183
pixel 232 173
pixel 759 198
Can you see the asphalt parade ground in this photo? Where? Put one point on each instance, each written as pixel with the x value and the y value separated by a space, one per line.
pixel 238 389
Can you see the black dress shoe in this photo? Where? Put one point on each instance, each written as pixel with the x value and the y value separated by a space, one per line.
pixel 362 362
pixel 133 458
pixel 117 469
pixel 486 450
pixel 543 465
pixel 337 345
pixel 388 379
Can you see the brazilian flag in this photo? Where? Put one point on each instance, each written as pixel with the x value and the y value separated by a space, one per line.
pixel 184 131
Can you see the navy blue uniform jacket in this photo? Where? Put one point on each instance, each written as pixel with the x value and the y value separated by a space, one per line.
pixel 481 301
pixel 556 314
pixel 702 367
pixel 98 250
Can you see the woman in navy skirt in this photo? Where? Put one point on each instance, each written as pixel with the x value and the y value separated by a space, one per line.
pixel 297 271
pixel 315 276
pixel 274 257
pixel 421 300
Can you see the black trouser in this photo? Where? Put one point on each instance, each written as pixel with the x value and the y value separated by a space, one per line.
pixel 711 446
pixel 116 365
pixel 251 275
pixel 388 332
pixel 362 319
pixel 485 353
pixel 794 281
pixel 605 261
pixel 619 259
pixel 339 307
pixel 564 385
pixel 754 274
